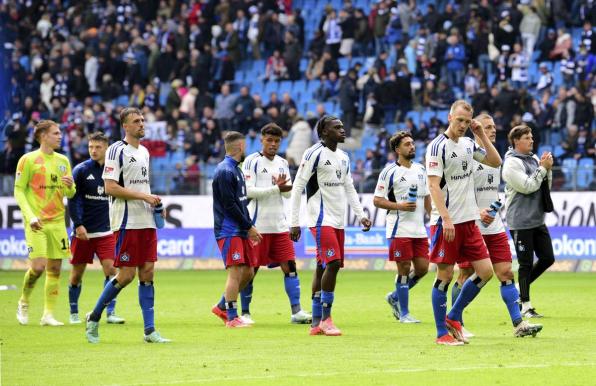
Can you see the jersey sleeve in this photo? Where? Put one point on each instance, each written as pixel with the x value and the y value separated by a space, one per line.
pixel 286 168
pixel 382 187
pixel 352 195
pixel 22 177
pixel 231 203
pixel 478 152
pixel 424 185
pixel 305 171
pixel 434 160
pixel 75 204
pixel 111 169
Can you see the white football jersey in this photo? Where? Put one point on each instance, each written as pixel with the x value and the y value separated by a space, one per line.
pixel 265 204
pixel 328 181
pixel 129 167
pixel 393 184
pixel 453 162
pixel 486 182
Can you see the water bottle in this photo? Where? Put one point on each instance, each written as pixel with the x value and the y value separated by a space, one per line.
pixel 157 211
pixel 494 208
pixel 413 193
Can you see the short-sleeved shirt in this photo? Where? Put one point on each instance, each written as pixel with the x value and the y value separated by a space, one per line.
pixel 39 187
pixel 394 184
pixel 129 167
pixel 267 212
pixel 486 182
pixel 453 162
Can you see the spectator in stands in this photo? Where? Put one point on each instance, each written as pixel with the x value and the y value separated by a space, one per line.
pixel 380 19
pixel 243 110
pixel 273 102
pixel 442 97
pixel 254 31
pixel 361 34
pixel 287 103
pixel 329 89
pixel 547 46
pixel 224 108
pixel 347 24
pixel 333 32
pixel 272 34
pixel 276 67
pixel 348 100
pixel 292 55
pixel 455 57
pixel 518 62
pixel 529 29
pixel 545 80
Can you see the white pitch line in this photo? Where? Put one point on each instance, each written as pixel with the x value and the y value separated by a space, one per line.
pixel 364 372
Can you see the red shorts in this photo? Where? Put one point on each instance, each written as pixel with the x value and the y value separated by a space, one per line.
pixel 237 251
pixel 406 248
pixel 498 249
pixel 83 250
pixel 468 244
pixel 135 247
pixel 275 248
pixel 330 244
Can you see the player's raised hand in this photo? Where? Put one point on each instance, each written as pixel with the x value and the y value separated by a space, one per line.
pixel 407 206
pixel 81 233
pixel 485 217
pixel 295 233
pixel 36 224
pixel 282 183
pixel 366 224
pixel 152 199
pixel 67 180
pixel 476 127
pixel 254 235
pixel 448 230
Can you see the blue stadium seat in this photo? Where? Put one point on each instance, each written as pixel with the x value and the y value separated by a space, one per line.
pixel 544 148
pixel 299 87
pixel 122 100
pixel 558 151
pixel 415 115
pixel 283 146
pixel 555 138
pixel 344 64
pixel 427 115
pixel 585 173
pixel 442 115
pixel 239 76
pixel 285 86
pixel 569 168
pixel 311 87
pixel 391 127
pixel 210 170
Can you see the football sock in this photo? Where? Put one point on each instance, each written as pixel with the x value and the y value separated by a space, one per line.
pixel 455 291
pixel 112 305
pixel 222 303
pixel 403 289
pixel 469 291
pixel 292 286
pixel 326 303
pixel 28 284
pixel 395 295
pixel 232 309
pixel 51 289
pixel 510 296
pixel 439 302
pixel 110 291
pixel 413 279
pixel 74 291
pixel 246 298
pixel 146 301
pixel 526 306
pixel 317 311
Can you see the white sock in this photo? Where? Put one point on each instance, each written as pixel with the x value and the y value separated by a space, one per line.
pixel 526 306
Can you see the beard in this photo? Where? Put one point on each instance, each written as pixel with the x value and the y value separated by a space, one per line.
pixel 410 156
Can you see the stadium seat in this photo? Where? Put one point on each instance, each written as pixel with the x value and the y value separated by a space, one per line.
pixel 299 88
pixel 285 86
pixel 544 148
pixel 569 168
pixel 415 116
pixel 585 173
pixel 555 138
pixel 558 151
pixel 391 127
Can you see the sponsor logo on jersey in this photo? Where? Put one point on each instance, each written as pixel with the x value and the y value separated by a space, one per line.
pixel 480 167
pixel 264 170
pixel 403 179
pixel 330 252
pixel 90 177
pixel 453 155
pixel 108 169
pixel 433 164
pixel 131 160
pixel 328 163
pixel 236 256
pixel 125 257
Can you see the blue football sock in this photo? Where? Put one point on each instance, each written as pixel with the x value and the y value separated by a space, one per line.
pixel 395 294
pixel 292 286
pixel 222 303
pixel 317 310
pixel 455 291
pixel 110 308
pixel 246 298
pixel 110 291
pixel 439 301
pixel 326 303
pixel 232 310
pixel 510 296
pixel 469 291
pixel 74 291
pixel 403 289
pixel 412 279
pixel 147 300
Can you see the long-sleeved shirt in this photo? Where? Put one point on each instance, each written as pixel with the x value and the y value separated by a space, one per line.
pixel 230 214
pixel 326 176
pixel 38 188
pixel 90 205
pixel 523 176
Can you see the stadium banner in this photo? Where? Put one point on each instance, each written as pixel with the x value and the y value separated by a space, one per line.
pixel 195 248
pixel 572 209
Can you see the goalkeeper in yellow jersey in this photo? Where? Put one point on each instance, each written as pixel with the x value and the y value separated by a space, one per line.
pixel 43 178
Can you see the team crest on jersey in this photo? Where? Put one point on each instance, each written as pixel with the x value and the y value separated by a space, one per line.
pixel 100 190
pixel 442 253
pixel 54 178
pixel 236 256
pixel 464 165
pixel 330 252
pixel 469 151
pixel 62 169
pixel 18 175
pixel 521 247
pixel 397 254
pixel 420 177
pixel 281 170
pixel 338 174
pixel 30 249
pixel 144 171
pixel 125 257
pixel 490 178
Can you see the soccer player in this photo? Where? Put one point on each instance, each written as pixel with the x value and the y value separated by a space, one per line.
pixel 89 212
pixel 234 230
pixel 325 172
pixel 405 220
pixel 42 180
pixel 454 234
pixel 126 179
pixel 267 181
pixel 486 183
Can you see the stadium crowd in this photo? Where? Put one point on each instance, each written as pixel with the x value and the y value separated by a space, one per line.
pixel 198 68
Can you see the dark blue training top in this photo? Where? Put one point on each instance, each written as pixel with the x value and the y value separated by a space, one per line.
pixel 230 212
pixel 90 205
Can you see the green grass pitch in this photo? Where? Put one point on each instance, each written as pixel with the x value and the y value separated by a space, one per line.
pixel 374 350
